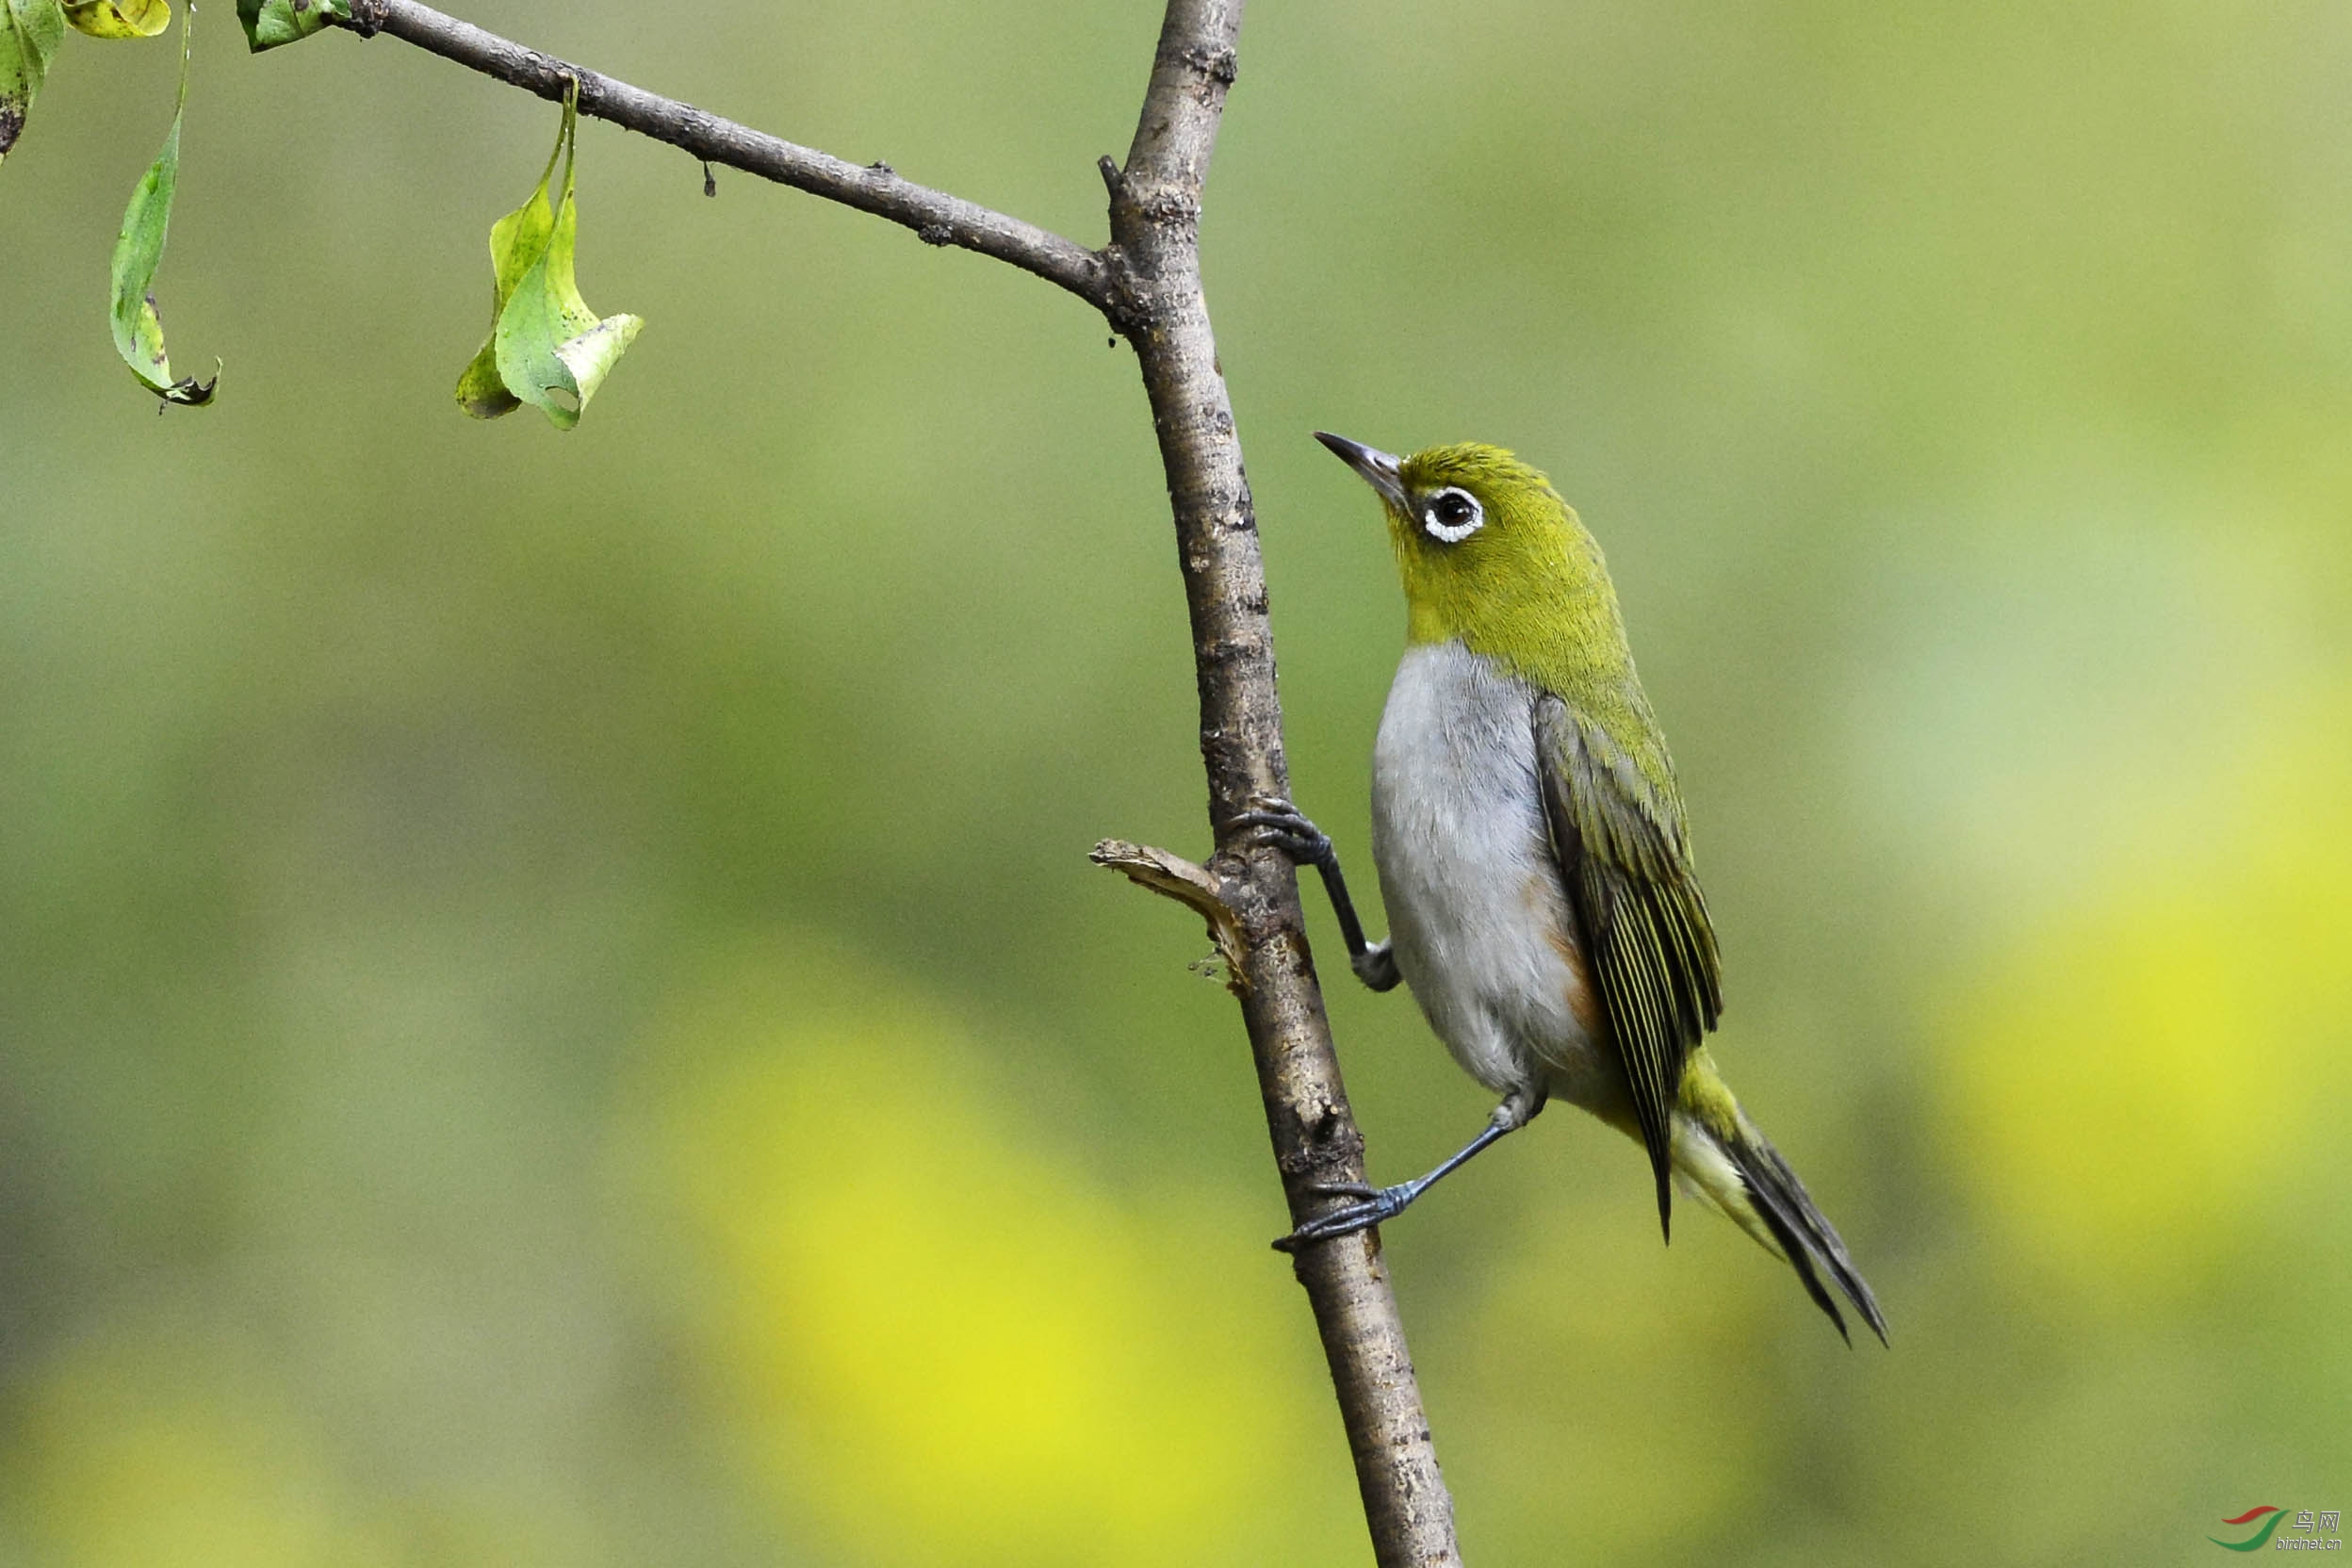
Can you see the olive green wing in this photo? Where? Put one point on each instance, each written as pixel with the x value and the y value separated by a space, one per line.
pixel 1625 859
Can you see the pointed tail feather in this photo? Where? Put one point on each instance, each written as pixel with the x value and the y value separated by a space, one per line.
pixel 1740 1173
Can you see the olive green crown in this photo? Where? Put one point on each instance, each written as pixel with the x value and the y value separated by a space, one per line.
pixel 1528 589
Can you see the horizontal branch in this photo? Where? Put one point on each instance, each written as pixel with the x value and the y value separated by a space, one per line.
pixel 936 217
pixel 1152 294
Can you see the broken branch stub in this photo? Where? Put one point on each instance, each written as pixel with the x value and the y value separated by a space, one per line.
pixel 1195 887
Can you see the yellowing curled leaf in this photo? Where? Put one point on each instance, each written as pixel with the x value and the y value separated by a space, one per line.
pixel 31 31
pixel 119 18
pixel 546 347
pixel 517 242
pixel 139 252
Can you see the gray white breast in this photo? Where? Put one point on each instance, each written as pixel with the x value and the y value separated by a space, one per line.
pixel 1478 919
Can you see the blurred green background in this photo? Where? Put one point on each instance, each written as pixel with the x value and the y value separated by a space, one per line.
pixel 552 1007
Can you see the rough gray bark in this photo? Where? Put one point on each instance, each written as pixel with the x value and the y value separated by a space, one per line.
pixel 1155 268
pixel 1147 284
pixel 937 218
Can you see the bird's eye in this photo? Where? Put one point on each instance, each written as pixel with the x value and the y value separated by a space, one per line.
pixel 1452 515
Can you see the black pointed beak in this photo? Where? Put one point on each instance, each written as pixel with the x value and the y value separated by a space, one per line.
pixel 1378 468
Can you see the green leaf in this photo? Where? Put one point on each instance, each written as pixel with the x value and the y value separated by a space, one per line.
pixel 31 31
pixel 546 347
pixel 518 242
pixel 552 351
pixel 119 18
pixel 139 250
pixel 270 23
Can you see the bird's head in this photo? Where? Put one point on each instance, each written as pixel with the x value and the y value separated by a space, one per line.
pixel 1488 552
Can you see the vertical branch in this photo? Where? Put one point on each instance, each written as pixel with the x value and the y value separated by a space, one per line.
pixel 1155 263
pixel 1148 283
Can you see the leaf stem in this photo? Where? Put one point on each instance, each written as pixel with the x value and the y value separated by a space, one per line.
pixel 1148 283
pixel 939 217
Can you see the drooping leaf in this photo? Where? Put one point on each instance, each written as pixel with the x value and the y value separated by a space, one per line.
pixel 546 347
pixel 518 242
pixel 119 18
pixel 554 352
pixel 270 23
pixel 31 31
pixel 139 252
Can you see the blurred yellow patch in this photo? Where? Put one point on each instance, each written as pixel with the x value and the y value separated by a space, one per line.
pixel 940 1339
pixel 142 1452
pixel 2132 1086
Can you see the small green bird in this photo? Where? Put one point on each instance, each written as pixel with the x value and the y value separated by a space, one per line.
pixel 1533 856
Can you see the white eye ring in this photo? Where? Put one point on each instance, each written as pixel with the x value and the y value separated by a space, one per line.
pixel 1468 516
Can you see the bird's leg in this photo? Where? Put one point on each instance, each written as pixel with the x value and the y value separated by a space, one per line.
pixel 1376 1205
pixel 1279 824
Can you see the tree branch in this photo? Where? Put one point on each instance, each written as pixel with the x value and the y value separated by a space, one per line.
pixel 1173 877
pixel 1148 283
pixel 1155 259
pixel 936 217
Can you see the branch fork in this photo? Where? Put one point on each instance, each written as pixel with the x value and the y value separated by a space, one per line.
pixel 1146 283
